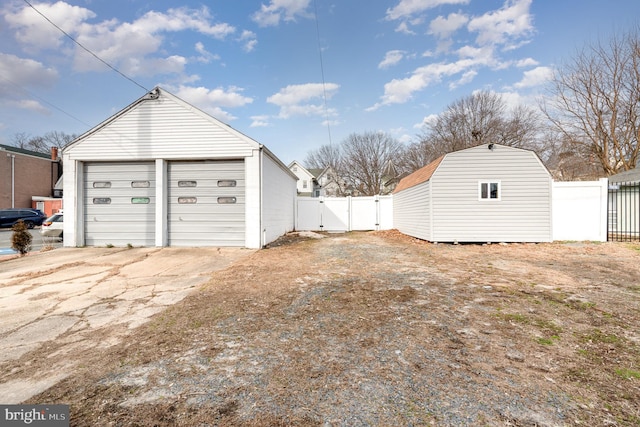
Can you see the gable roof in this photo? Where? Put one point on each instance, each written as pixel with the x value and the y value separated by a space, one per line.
pixel 418 177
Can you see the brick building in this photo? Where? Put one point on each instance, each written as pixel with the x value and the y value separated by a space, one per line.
pixel 25 174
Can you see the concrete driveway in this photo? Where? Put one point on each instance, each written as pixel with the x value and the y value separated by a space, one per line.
pixel 88 298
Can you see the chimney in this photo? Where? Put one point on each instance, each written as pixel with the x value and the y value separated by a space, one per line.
pixel 54 153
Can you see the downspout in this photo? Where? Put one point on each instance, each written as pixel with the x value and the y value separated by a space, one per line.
pixel 13 180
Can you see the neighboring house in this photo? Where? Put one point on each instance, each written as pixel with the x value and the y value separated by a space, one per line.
pixel 164 173
pixel 487 193
pixel 306 179
pixel 25 174
pixel 624 205
pixel 315 182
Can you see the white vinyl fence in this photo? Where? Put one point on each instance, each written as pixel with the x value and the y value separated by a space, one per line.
pixel 344 213
pixel 580 210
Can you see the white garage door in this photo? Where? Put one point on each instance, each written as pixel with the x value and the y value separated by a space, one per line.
pixel 206 203
pixel 119 204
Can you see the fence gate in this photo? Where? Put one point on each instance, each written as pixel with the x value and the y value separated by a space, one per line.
pixel 624 211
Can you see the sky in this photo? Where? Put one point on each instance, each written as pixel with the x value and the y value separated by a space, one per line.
pixel 291 74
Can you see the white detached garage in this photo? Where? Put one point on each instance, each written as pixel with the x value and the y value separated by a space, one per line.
pixel 487 193
pixel 164 173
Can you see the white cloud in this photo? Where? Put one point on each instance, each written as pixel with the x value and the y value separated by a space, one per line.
pixel 527 62
pixel 259 121
pixel 213 100
pixel 205 56
pixel 249 39
pixel 391 58
pixel 399 91
pixel 535 77
pixel 426 121
pixel 132 47
pixel 295 100
pixel 466 78
pixel 19 75
pixel 270 14
pixel 502 26
pixel 407 8
pixel 443 27
pixel 35 33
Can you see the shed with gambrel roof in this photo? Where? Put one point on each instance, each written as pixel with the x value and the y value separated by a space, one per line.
pixel 487 193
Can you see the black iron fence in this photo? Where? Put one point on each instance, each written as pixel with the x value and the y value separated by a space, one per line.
pixel 624 211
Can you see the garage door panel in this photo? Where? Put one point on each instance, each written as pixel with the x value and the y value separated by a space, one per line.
pixel 119 204
pixel 206 203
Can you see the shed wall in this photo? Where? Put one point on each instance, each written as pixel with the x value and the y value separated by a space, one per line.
pixel 412 211
pixel 523 213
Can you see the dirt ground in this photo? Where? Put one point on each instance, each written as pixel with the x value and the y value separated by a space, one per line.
pixel 378 329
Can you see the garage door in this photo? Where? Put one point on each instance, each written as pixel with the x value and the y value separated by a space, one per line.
pixel 119 204
pixel 206 203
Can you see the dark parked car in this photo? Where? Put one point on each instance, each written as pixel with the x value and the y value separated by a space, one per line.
pixel 31 217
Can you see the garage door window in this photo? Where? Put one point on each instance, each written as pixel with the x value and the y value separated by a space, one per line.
pixel 140 200
pixel 226 200
pixel 187 200
pixel 187 183
pixel 227 183
pixel 102 184
pixel 140 184
pixel 102 200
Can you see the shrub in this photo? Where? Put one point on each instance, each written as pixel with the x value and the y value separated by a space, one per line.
pixel 21 238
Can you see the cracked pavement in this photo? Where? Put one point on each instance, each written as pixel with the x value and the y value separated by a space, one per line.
pixel 58 303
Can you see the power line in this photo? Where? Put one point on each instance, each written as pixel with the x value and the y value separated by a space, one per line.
pixel 324 88
pixel 86 49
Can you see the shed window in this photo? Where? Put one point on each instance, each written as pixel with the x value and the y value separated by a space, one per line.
pixel 227 183
pixel 226 200
pixel 489 190
pixel 187 183
pixel 101 200
pixel 304 184
pixel 102 184
pixel 140 184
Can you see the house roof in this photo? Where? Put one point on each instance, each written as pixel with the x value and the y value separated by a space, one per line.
pixel 627 176
pixel 18 150
pixel 418 177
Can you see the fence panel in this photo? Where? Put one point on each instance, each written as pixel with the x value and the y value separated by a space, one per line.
pixel 579 210
pixel 624 211
pixel 344 213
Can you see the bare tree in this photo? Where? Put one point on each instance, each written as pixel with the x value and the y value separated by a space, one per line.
pixel 595 101
pixel 365 158
pixel 42 144
pixel 326 155
pixel 479 118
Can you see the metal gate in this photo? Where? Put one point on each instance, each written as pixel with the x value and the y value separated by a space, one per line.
pixel 624 211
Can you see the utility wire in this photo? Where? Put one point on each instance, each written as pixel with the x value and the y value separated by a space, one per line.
pixel 324 88
pixel 86 49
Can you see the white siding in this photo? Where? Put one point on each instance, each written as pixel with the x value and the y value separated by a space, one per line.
pixel 278 200
pixel 523 213
pixel 198 214
pixel 412 211
pixel 119 204
pixel 161 128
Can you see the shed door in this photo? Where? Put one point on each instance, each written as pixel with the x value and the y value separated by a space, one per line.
pixel 119 204
pixel 206 203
